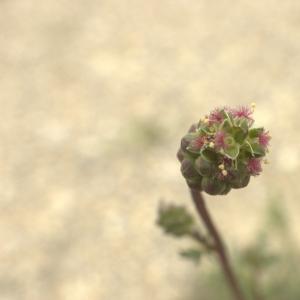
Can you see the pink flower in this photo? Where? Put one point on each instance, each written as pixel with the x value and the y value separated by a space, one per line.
pixel 220 140
pixel 242 112
pixel 215 116
pixel 254 166
pixel 264 139
pixel 197 143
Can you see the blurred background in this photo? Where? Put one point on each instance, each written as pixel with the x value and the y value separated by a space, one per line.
pixel 95 96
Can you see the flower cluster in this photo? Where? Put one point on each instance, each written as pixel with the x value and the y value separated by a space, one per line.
pixel 223 150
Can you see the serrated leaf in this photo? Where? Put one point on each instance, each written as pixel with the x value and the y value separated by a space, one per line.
pixel 175 220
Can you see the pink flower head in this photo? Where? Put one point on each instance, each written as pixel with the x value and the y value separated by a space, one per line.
pixel 264 139
pixel 242 112
pixel 220 140
pixel 254 166
pixel 215 116
pixel 197 143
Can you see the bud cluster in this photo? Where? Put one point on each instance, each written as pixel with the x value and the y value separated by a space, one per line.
pixel 222 151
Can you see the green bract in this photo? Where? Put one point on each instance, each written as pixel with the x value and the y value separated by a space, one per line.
pixel 222 151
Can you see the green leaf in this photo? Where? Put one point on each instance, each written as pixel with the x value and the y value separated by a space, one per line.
pixel 175 220
pixel 192 254
pixel 232 151
pixel 255 132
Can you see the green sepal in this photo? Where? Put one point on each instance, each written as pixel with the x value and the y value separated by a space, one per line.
pixel 195 183
pixel 255 132
pixel 180 155
pixel 241 177
pixel 226 190
pixel 204 167
pixel 255 149
pixel 244 124
pixel 192 150
pixel 209 155
pixel 193 128
pixel 239 134
pixel 187 169
pixel 228 118
pixel 213 186
pixel 247 147
pixel 258 150
pixel 232 151
pixel 185 141
pixel 226 126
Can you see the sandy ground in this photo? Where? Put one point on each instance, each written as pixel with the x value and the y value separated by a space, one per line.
pixel 95 96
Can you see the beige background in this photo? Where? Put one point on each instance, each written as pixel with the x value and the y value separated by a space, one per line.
pixel 95 96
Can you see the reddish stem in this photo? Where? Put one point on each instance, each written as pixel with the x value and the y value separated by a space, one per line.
pixel 219 245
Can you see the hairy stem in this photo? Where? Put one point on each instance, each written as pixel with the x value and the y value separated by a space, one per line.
pixel 219 246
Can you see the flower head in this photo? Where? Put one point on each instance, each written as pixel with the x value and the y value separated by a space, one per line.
pixel 264 139
pixel 254 166
pixel 242 112
pixel 223 151
pixel 216 116
pixel 197 143
pixel 220 140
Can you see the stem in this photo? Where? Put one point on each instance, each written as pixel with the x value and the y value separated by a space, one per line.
pixel 202 240
pixel 255 286
pixel 219 246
